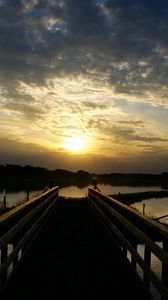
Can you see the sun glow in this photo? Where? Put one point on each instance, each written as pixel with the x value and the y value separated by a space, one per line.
pixel 75 144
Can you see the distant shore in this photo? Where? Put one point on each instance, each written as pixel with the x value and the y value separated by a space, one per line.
pixel 130 198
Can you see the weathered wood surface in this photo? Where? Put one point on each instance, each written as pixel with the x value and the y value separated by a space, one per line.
pixel 74 257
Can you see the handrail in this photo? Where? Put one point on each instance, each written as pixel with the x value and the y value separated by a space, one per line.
pixel 128 236
pixel 150 224
pixel 23 206
pixel 21 243
pixel 135 255
pixel 12 232
pixel 21 232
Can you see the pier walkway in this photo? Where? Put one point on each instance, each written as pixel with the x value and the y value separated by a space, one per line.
pixel 53 247
pixel 74 257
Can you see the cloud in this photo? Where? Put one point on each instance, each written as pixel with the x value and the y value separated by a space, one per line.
pixel 93 105
pixel 125 46
pixel 124 131
pixel 27 110
pixel 38 44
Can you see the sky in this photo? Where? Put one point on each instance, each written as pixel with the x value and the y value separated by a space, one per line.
pixel 84 84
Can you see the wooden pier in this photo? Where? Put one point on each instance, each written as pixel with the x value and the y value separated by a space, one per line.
pixel 63 247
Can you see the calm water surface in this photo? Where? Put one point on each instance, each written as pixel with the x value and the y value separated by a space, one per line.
pixel 154 207
pixel 15 198
pixel 106 189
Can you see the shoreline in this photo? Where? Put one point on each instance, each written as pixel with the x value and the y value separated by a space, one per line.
pixel 129 198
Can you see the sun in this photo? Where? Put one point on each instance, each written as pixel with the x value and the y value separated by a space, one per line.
pixel 75 144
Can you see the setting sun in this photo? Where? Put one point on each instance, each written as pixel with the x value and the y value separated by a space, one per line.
pixel 75 144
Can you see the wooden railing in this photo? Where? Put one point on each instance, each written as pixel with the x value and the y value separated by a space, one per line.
pixel 19 227
pixel 129 229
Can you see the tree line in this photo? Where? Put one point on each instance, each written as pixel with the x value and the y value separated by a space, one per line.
pixel 11 171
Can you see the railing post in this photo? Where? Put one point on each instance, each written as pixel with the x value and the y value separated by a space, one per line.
pixel 4 201
pixel 133 261
pixel 4 254
pixel 164 269
pixel 124 251
pixel 143 208
pixel 15 261
pixel 147 260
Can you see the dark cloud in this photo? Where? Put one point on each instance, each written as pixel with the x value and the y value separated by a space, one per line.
pixel 134 123
pixel 86 35
pixel 28 111
pixel 92 105
pixel 129 134
pixel 86 14
pixel 123 132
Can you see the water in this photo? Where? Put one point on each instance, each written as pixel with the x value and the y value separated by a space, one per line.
pixel 15 198
pixel 154 207
pixel 107 189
